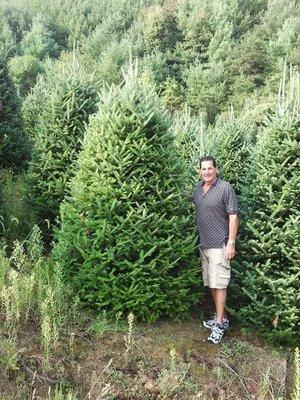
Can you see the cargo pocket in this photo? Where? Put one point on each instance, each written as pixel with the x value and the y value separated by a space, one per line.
pixel 223 275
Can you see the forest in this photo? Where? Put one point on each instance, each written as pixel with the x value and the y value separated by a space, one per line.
pixel 106 108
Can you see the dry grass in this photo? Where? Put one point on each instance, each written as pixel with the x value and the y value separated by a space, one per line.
pixel 161 361
pixel 46 355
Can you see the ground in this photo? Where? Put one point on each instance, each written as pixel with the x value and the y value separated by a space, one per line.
pixel 117 360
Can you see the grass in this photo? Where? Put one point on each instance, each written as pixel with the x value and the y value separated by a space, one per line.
pixel 171 361
pixel 51 350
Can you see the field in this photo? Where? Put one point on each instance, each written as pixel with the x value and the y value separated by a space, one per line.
pixel 97 358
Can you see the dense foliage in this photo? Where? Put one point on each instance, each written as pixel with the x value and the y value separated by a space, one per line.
pixel 270 250
pixel 203 58
pixel 13 141
pixel 69 98
pixel 126 240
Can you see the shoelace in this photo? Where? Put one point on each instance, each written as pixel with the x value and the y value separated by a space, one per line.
pixel 217 332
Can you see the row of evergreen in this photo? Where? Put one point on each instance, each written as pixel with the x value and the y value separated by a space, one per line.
pixel 114 165
pixel 199 53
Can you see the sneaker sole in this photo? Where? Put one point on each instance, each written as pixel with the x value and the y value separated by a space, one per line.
pixel 214 342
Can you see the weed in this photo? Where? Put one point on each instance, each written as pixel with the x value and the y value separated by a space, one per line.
pixel 4 265
pixel 18 258
pixel 173 377
pixel 100 325
pixel 35 245
pixel 129 338
pixel 16 298
pixel 264 386
pixel 49 325
pixel 9 354
pixel 60 393
pixel 296 392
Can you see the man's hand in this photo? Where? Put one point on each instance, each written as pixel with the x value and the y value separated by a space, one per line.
pixel 229 252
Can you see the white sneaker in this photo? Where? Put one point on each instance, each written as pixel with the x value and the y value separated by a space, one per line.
pixel 210 323
pixel 217 334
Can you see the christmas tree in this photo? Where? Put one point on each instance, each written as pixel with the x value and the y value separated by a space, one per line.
pixel 271 240
pixel 69 98
pixel 13 142
pixel 126 240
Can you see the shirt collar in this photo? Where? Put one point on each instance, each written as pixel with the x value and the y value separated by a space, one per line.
pixel 214 184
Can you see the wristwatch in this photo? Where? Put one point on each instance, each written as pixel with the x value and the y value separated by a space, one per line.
pixel 231 242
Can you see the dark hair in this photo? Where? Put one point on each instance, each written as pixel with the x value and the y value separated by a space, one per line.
pixel 208 158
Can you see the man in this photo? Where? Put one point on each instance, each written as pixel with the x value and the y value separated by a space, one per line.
pixel 217 223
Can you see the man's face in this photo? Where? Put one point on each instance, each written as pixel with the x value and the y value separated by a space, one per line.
pixel 208 172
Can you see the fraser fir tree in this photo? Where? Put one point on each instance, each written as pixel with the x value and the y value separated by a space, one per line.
pixel 231 145
pixel 32 107
pixel 13 143
pixel 24 71
pixel 232 142
pixel 38 42
pixel 126 241
pixel 69 98
pixel 192 140
pixel 272 236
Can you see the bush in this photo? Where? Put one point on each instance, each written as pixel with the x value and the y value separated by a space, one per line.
pixel 232 143
pixel 125 240
pixel 7 38
pixel 160 30
pixel 113 58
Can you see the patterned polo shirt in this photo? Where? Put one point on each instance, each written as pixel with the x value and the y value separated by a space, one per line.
pixel 212 213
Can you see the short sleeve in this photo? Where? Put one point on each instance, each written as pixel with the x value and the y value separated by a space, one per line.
pixel 231 203
pixel 195 195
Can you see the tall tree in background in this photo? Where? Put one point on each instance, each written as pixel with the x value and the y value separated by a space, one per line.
pixel 13 142
pixel 231 145
pixel 270 247
pixel 69 98
pixel 192 140
pixel 125 240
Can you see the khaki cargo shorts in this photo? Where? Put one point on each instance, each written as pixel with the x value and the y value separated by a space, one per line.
pixel 215 270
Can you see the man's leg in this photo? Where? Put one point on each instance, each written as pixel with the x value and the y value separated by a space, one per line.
pixel 220 303
pixel 213 295
pixel 219 298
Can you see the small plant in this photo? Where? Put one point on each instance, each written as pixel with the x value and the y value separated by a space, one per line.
pixel 49 325
pixel 35 245
pixel 172 359
pixel 264 387
pixel 9 354
pixel 16 298
pixel 18 257
pixel 296 392
pixel 129 339
pixel 61 394
pixel 4 265
pixel 172 377
pixel 100 325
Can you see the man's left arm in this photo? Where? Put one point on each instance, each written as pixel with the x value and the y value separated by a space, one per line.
pixel 233 228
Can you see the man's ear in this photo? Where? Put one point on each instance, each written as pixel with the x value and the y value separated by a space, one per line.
pixel 217 171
